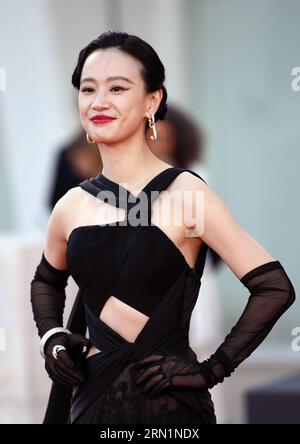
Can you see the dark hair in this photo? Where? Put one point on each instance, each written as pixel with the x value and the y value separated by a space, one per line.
pixel 153 71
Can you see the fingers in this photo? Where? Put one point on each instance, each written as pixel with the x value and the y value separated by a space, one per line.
pixel 160 386
pixel 141 376
pixel 79 346
pixel 56 375
pixel 192 381
pixel 152 382
pixel 70 371
pixel 145 362
pixel 65 362
pixel 65 369
pixel 155 384
pixel 64 357
pixel 79 340
pixel 64 376
pixel 57 378
pixel 148 371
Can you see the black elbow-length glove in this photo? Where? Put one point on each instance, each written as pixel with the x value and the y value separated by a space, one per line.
pixel 272 293
pixel 48 302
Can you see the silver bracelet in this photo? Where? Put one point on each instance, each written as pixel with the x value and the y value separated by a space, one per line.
pixel 48 335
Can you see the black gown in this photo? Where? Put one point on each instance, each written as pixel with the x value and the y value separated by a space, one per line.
pixel 142 266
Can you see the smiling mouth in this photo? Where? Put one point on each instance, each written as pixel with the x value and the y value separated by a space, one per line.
pixel 102 117
pixel 100 121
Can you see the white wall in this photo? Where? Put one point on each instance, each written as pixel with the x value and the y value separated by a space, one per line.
pixel 250 113
pixel 32 124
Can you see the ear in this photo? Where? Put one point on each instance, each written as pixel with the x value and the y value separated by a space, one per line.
pixel 154 99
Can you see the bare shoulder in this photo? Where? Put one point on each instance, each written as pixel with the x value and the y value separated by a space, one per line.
pixel 189 181
pixel 191 187
pixel 64 207
pixel 72 196
pixel 220 229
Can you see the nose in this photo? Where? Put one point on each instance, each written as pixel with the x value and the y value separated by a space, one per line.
pixel 100 101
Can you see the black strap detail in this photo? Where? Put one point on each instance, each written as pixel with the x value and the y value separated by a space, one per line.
pixel 100 184
pixel 109 191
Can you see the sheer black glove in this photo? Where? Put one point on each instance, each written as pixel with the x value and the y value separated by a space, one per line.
pixel 48 301
pixel 271 294
pixel 65 369
pixel 48 296
pixel 158 372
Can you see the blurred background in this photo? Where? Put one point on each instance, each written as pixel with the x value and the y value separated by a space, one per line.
pixel 234 118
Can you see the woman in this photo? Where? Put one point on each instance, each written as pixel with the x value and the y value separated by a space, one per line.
pixel 138 276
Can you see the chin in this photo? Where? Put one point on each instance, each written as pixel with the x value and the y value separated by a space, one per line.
pixel 106 140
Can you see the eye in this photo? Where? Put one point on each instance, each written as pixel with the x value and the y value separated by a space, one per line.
pixel 118 87
pixel 87 89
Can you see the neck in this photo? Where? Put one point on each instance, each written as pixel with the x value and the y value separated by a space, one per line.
pixel 130 162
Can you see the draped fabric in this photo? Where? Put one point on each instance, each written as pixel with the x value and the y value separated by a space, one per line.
pixel 109 394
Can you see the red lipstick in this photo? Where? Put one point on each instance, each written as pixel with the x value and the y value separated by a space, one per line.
pixel 102 119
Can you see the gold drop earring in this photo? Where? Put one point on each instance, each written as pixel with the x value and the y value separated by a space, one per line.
pixel 89 139
pixel 153 132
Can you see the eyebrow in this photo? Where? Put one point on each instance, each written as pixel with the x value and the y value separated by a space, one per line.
pixel 90 79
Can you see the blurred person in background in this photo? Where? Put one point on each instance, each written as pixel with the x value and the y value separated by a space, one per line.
pixel 76 161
